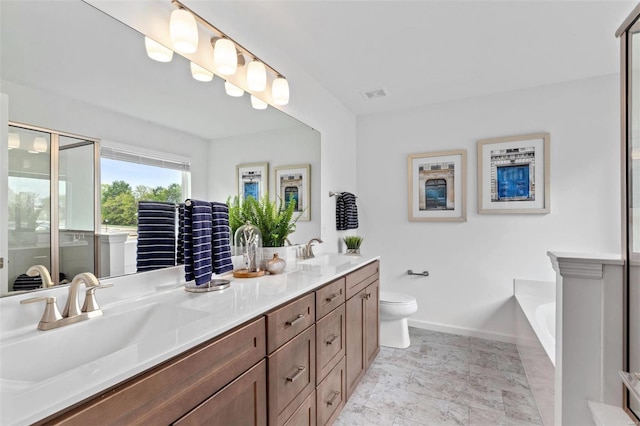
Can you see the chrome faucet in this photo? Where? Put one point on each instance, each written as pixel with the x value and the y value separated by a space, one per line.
pixel 72 313
pixel 308 250
pixel 41 270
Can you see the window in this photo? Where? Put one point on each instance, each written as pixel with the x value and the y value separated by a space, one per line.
pixel 127 178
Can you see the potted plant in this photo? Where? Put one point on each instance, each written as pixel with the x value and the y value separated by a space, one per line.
pixel 353 244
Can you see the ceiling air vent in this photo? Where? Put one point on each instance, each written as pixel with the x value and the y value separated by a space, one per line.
pixel 373 94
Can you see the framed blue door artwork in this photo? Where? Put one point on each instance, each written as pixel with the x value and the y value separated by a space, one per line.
pixel 513 174
pixel 253 180
pixel 294 183
pixel 437 186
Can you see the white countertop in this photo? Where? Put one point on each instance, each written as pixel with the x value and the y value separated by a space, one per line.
pixel 191 319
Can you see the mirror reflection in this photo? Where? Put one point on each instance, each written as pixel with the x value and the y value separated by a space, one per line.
pixel 161 135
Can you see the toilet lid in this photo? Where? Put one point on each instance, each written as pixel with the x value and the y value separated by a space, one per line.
pixel 391 297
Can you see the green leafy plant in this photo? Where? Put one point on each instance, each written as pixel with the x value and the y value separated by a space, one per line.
pixel 353 241
pixel 275 224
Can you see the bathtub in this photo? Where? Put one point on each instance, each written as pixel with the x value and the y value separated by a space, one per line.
pixel 537 300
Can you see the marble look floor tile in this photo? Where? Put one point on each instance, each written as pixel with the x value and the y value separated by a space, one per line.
pixel 493 346
pixel 358 415
pixel 483 359
pixel 447 385
pixel 443 339
pixel 510 363
pixel 521 407
pixel 479 417
pixel 401 421
pixel 497 379
pixel 482 397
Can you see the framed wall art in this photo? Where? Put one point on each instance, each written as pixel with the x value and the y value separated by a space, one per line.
pixel 294 182
pixel 513 174
pixel 253 180
pixel 437 186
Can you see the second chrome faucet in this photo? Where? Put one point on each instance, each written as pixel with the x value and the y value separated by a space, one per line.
pixel 72 312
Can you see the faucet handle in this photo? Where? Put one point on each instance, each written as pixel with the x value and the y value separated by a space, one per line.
pixel 90 302
pixel 51 312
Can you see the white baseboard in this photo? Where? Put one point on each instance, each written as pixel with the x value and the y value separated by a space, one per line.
pixel 463 331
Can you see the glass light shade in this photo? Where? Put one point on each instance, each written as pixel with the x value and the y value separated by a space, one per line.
pixel 232 90
pixel 14 141
pixel 258 103
pixel 280 91
pixel 225 57
pixel 156 51
pixel 256 76
pixel 184 31
pixel 248 244
pixel 200 74
pixel 39 145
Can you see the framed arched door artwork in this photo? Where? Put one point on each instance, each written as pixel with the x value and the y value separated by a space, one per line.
pixel 293 183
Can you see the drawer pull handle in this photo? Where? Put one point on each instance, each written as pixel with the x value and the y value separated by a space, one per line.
pixel 367 296
pixel 332 339
pixel 333 398
pixel 295 320
pixel 333 296
pixel 298 374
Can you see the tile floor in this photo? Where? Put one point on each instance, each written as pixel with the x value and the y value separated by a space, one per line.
pixel 443 379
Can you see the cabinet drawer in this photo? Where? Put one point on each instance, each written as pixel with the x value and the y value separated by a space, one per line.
pixel 286 322
pixel 357 280
pixel 331 395
pixel 305 415
pixel 242 402
pixel 330 341
pixel 162 395
pixel 330 297
pixel 291 376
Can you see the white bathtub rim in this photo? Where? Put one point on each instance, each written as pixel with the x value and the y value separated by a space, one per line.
pixel 529 305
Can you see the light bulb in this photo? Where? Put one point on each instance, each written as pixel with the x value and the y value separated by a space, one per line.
pixel 156 51
pixel 256 76
pixel 258 103
pixel 225 57
pixel 184 31
pixel 200 74
pixel 280 91
pixel 39 145
pixel 14 141
pixel 232 90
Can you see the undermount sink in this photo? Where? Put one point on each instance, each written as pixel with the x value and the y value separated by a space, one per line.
pixel 329 259
pixel 47 354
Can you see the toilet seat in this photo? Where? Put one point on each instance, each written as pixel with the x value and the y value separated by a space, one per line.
pixel 393 298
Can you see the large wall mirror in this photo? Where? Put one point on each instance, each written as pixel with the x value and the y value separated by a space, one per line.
pixel 69 67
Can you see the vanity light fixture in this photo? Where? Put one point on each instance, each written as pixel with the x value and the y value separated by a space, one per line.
pixel 256 76
pixel 14 141
pixel 258 103
pixel 184 31
pixel 280 91
pixel 200 74
pixel 39 145
pixel 156 51
pixel 232 90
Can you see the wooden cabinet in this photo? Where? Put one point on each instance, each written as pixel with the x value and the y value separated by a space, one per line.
pixel 305 415
pixel 332 394
pixel 362 315
pixel 288 321
pixel 330 297
pixel 330 341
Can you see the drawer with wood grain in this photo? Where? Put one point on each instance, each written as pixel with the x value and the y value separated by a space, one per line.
pixel 359 279
pixel 331 395
pixel 286 322
pixel 330 297
pixel 330 341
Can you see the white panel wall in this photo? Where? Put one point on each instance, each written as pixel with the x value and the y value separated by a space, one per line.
pixel 473 264
pixel 4 193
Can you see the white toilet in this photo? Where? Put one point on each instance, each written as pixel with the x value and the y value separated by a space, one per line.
pixel 394 310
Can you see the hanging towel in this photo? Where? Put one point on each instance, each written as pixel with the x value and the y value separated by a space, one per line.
pixel 180 251
pixel 346 211
pixel 156 235
pixel 221 244
pixel 197 241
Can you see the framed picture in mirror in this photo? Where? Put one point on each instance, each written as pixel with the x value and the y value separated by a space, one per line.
pixel 293 183
pixel 513 174
pixel 253 180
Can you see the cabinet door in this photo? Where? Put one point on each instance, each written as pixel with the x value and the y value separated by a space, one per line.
pixel 242 402
pixel 331 395
pixel 355 340
pixel 372 323
pixel 330 343
pixel 305 415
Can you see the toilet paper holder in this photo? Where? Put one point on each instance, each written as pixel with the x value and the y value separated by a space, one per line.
pixel 420 274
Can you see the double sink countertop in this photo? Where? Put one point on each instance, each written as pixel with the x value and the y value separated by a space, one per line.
pixel 148 319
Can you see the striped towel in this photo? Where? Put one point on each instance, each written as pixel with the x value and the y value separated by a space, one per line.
pixel 180 251
pixel 197 241
pixel 156 235
pixel 221 244
pixel 346 211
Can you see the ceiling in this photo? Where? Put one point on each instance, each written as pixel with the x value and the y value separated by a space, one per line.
pixel 425 52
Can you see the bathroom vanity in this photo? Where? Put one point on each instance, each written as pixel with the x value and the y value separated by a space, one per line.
pixel 282 349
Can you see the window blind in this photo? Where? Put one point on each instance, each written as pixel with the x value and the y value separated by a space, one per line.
pixel 131 157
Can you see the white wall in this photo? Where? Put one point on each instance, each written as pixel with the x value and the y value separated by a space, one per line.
pixel 39 108
pixel 298 145
pixel 472 264
pixel 4 193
